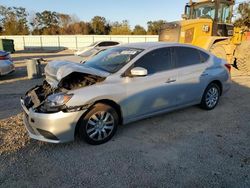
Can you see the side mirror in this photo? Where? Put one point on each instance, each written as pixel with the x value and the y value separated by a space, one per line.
pixel 139 71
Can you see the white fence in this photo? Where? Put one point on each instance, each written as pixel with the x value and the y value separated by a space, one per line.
pixel 29 42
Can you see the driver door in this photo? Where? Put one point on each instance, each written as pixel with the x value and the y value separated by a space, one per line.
pixel 154 92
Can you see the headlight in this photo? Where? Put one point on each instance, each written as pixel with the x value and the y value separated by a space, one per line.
pixel 56 102
pixel 59 99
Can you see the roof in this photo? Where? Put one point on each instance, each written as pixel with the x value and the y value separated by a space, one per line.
pixel 148 45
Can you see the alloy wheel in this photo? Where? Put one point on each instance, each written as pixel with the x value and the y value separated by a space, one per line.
pixel 100 125
pixel 212 97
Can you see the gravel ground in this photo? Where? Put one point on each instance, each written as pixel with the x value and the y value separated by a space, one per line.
pixel 185 148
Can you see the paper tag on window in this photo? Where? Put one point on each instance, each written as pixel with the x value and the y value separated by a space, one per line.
pixel 128 52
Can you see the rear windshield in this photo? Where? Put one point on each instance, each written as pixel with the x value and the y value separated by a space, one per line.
pixel 113 59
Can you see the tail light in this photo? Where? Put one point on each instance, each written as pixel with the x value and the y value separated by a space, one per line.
pixel 4 57
pixel 228 66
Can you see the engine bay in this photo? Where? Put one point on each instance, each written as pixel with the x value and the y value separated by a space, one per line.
pixel 36 97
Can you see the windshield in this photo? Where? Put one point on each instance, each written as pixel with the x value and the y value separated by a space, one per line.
pixel 89 53
pixel 208 10
pixel 204 11
pixel 113 59
pixel 225 13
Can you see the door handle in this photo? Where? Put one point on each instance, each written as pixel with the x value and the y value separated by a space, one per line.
pixel 170 80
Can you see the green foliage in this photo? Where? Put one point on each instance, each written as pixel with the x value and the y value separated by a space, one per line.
pixel 100 26
pixel 139 30
pixel 13 21
pixel 244 13
pixel 78 28
pixel 154 27
pixel 122 28
pixel 46 23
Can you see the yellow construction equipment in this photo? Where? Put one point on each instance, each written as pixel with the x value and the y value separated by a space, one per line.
pixel 208 24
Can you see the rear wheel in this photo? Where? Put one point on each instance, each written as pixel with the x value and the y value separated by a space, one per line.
pixel 210 97
pixel 242 56
pixel 99 124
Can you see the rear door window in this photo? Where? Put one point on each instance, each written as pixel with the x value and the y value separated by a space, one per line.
pixel 102 44
pixel 156 61
pixel 185 56
pixel 204 56
pixel 111 43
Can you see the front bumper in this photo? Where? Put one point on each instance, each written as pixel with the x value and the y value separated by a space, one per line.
pixel 54 128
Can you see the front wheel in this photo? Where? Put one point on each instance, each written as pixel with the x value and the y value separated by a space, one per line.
pixel 99 124
pixel 210 97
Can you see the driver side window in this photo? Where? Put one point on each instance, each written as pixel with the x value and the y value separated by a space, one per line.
pixel 156 61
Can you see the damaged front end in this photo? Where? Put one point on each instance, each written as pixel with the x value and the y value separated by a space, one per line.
pixel 47 99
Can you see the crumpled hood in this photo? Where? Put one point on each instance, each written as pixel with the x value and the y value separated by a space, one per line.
pixel 55 71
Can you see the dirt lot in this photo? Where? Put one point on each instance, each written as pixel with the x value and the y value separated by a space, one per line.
pixel 185 148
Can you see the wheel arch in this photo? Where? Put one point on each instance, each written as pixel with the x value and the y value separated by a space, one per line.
pixel 218 83
pixel 109 102
pixel 114 105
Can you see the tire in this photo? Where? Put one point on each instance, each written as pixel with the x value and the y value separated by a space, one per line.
pixel 98 125
pixel 242 56
pixel 211 93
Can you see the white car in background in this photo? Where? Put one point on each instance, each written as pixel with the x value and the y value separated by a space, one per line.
pixel 6 63
pixel 100 44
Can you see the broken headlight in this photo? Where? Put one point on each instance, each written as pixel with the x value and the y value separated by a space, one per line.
pixel 56 102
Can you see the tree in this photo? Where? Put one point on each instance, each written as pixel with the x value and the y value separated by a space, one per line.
pixel 13 21
pixel 64 22
pixel 154 27
pixel 46 23
pixel 120 28
pixel 100 25
pixel 82 28
pixel 244 13
pixel 139 30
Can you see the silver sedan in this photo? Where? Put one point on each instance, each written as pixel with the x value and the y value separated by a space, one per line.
pixel 6 63
pixel 121 85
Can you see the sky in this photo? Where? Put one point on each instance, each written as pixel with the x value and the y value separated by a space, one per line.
pixel 135 11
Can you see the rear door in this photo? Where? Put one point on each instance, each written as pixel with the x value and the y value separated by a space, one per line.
pixel 192 66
